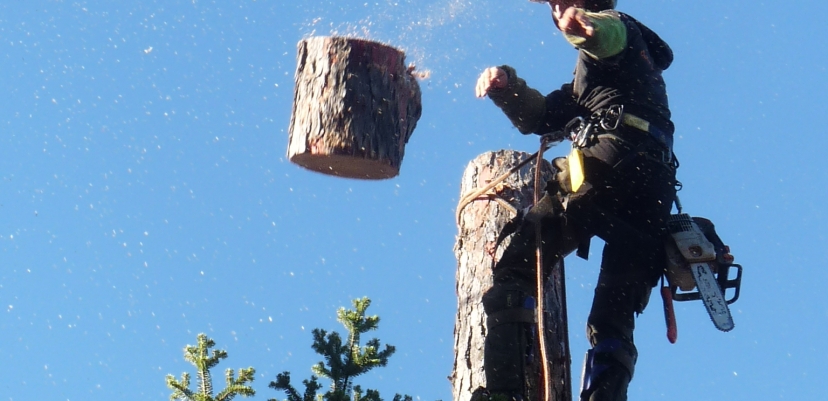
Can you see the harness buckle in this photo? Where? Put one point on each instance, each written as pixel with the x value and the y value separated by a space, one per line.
pixel 667 157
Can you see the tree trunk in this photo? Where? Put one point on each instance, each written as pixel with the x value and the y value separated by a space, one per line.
pixel 480 222
pixel 355 106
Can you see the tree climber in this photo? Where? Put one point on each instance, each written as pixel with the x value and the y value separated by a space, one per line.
pixel 615 110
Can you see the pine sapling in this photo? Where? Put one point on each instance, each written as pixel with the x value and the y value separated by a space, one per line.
pixel 199 355
pixel 344 360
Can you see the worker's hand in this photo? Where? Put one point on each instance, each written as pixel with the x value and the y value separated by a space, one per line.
pixel 491 78
pixel 562 174
pixel 573 21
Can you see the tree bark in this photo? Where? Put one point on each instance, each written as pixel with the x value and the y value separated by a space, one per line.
pixel 355 106
pixel 480 222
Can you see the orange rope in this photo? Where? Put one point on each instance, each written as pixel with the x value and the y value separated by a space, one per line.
pixel 547 391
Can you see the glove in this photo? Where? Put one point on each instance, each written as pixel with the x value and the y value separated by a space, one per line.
pixel 562 174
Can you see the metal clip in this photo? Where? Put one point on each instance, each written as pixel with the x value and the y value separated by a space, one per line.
pixel 612 117
pixel 583 136
pixel 580 131
pixel 574 127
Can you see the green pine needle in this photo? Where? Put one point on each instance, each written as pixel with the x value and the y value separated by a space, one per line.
pixel 343 360
pixel 199 355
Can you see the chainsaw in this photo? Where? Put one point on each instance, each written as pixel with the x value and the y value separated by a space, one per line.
pixel 699 267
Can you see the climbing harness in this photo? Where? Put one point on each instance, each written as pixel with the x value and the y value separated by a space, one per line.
pixel 603 123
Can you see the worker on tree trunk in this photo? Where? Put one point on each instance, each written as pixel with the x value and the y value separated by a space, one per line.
pixel 615 110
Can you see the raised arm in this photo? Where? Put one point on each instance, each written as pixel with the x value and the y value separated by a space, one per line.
pixel 529 110
pixel 599 34
pixel 524 106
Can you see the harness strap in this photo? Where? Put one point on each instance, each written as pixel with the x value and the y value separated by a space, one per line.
pixel 641 150
pixel 512 315
pixel 641 124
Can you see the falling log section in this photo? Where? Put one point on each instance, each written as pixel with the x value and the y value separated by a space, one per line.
pixel 355 106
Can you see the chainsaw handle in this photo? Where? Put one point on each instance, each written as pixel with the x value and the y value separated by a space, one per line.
pixel 669 314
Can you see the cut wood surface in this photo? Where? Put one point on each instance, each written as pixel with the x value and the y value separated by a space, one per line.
pixel 355 106
pixel 480 223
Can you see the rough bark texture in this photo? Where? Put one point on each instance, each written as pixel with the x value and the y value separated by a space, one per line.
pixel 480 223
pixel 355 106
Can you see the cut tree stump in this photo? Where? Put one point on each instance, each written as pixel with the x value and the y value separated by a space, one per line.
pixel 480 223
pixel 355 106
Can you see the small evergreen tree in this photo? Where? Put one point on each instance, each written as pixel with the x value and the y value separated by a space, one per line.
pixel 199 356
pixel 343 361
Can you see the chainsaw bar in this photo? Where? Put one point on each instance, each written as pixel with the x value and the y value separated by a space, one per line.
pixel 712 297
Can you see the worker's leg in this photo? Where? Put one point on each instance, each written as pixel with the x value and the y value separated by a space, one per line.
pixel 631 265
pixel 510 305
pixel 632 262
pixel 622 292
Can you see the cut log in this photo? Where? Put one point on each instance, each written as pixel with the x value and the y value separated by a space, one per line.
pixel 480 223
pixel 355 105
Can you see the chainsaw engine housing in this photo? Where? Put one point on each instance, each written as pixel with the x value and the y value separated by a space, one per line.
pixel 694 240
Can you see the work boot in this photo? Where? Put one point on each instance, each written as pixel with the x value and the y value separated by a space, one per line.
pixel 611 385
pixel 608 369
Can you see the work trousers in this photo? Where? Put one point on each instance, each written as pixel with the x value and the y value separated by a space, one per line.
pixel 626 202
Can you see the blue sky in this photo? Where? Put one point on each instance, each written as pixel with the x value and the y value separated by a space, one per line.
pixel 146 196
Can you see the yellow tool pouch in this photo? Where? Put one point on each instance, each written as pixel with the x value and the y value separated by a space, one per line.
pixel 576 168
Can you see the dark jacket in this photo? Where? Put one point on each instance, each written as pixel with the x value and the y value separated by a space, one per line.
pixel 632 77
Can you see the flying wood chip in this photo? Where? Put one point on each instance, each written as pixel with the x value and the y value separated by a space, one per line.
pixel 355 106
